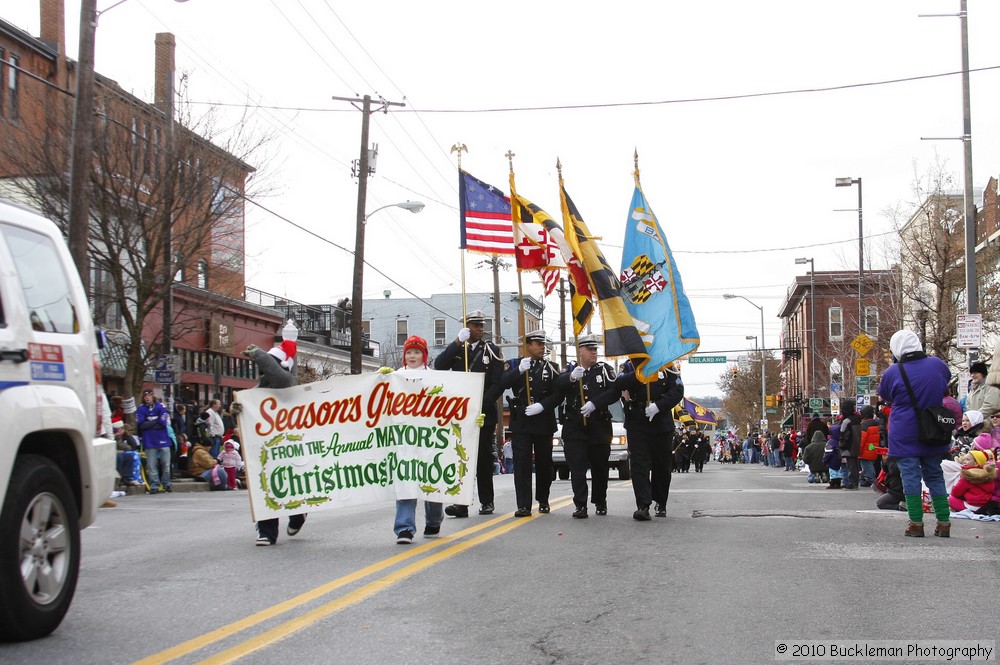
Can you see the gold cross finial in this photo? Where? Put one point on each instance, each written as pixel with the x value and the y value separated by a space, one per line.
pixel 510 159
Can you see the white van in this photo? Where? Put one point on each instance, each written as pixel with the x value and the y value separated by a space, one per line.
pixel 55 468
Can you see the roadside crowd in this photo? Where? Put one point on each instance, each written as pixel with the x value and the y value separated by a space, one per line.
pixel 888 447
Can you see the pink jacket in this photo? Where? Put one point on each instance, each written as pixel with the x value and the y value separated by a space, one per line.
pixel 975 486
pixel 231 460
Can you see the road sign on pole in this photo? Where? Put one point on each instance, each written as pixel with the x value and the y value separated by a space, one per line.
pixel 702 360
pixel 969 331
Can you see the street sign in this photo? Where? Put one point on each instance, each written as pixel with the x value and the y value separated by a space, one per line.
pixel 770 410
pixel 861 367
pixel 164 377
pixel 863 384
pixel 862 344
pixel 702 360
pixel 834 387
pixel 862 400
pixel 816 404
pixel 969 331
pixel 834 405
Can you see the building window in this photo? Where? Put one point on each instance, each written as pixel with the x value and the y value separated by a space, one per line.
pixel 135 143
pixel 146 153
pixel 12 87
pixel 366 328
pixel 871 321
pixel 2 96
pixel 202 274
pixel 156 152
pixel 440 337
pixel 836 323
pixel 402 326
pixel 179 271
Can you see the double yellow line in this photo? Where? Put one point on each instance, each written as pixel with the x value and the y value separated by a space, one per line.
pixel 492 529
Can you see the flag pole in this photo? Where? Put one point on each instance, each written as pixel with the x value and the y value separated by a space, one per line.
pixel 635 174
pixel 460 148
pixel 515 218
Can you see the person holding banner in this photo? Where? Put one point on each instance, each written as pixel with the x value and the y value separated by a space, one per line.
pixel 471 353
pixel 532 421
pixel 405 523
pixel 650 425
pixel 587 432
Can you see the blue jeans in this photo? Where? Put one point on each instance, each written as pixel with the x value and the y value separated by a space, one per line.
pixel 776 457
pixel 867 471
pixel 508 465
pixel 217 476
pixel 912 469
pixel 789 464
pixel 216 447
pixel 155 457
pixel 406 515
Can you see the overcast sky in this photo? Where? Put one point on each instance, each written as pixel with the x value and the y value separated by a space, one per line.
pixel 742 185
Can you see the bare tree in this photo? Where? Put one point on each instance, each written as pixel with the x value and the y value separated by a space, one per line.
pixel 741 394
pixel 147 193
pixel 932 258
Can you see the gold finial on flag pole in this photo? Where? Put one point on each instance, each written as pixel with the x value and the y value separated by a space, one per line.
pixel 459 148
pixel 510 159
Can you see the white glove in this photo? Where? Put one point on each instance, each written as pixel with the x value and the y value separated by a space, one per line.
pixel 463 335
pixel 587 409
pixel 577 373
pixel 524 366
pixel 533 409
pixel 651 411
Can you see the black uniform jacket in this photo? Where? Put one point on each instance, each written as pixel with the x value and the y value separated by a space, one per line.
pixel 542 378
pixel 595 381
pixel 666 392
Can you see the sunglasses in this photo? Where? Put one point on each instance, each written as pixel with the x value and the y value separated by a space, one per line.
pixel 995 415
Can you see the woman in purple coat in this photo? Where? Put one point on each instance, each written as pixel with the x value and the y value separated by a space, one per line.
pixel 928 377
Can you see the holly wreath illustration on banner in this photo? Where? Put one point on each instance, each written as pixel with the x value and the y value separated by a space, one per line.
pixel 352 440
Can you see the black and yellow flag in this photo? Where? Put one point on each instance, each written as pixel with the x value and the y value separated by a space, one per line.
pixel 620 335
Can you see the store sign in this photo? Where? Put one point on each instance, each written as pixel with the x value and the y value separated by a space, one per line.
pixel 221 335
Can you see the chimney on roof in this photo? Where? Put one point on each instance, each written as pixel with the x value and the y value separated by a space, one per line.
pixel 53 30
pixel 164 81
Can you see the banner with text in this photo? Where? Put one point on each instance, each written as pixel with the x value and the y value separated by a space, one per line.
pixel 352 440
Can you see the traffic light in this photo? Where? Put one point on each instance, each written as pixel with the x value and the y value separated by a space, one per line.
pixel 769 401
pixel 736 370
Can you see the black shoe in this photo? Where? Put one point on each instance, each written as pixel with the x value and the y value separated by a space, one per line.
pixel 522 512
pixel 405 538
pixel 661 510
pixel 580 512
pixel 292 530
pixel 602 509
pixel 543 507
pixel 432 531
pixel 456 510
pixel 642 514
pixel 169 488
pixel 487 509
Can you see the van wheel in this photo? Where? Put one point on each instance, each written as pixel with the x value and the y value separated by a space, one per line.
pixel 624 472
pixel 39 550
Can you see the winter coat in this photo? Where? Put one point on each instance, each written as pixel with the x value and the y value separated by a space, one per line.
pixel 870 439
pixel 983 397
pixel 975 485
pixel 850 435
pixel 929 378
pixel 201 460
pixel 152 420
pixel 812 454
pixel 817 425
pixel 231 460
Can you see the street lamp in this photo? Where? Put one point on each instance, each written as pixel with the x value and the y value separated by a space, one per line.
pixel 763 378
pixel 847 182
pixel 754 338
pixel 359 272
pixel 812 322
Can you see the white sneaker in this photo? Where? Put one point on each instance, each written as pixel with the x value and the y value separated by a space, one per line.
pixel 262 541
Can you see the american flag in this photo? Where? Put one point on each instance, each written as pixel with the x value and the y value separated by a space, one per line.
pixel 485 217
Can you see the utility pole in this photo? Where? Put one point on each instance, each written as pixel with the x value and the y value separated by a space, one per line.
pixel 359 241
pixel 165 48
pixel 971 286
pixel 82 156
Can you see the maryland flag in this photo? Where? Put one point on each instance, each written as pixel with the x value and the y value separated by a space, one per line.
pixel 620 335
pixel 524 212
pixel 652 289
pixel 534 246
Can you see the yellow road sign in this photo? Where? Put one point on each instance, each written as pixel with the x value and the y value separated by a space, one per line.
pixel 862 344
pixel 861 367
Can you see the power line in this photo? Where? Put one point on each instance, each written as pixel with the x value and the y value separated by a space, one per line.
pixel 663 102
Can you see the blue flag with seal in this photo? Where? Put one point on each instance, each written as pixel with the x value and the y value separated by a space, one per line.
pixel 652 290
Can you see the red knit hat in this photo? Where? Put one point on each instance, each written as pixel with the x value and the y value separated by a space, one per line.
pixel 285 353
pixel 418 343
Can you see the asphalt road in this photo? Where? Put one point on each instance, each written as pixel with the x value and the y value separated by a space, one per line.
pixel 746 556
